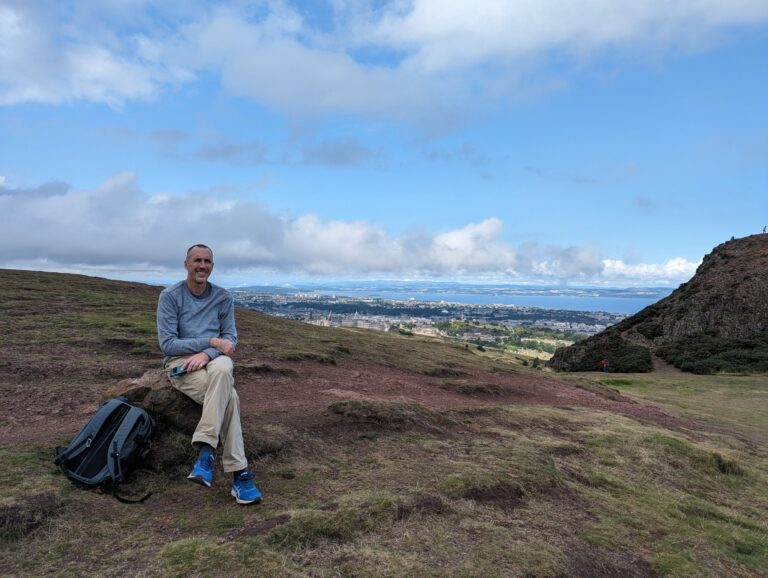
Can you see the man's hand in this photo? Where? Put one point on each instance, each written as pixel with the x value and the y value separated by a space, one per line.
pixel 223 345
pixel 197 361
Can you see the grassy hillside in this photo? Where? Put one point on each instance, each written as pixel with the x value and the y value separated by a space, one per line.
pixel 50 320
pixel 481 476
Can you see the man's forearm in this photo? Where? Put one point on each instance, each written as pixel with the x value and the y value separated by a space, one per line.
pixel 174 346
pixel 223 345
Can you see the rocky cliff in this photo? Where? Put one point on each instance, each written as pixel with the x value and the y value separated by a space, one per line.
pixel 718 321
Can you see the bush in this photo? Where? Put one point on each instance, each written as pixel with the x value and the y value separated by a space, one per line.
pixel 650 329
pixel 707 353
pixel 622 356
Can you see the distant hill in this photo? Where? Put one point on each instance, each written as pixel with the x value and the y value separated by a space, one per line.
pixel 718 321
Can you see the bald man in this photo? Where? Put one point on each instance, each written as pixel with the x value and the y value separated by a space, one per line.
pixel 197 334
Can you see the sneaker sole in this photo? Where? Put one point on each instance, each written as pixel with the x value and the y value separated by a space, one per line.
pixel 199 480
pixel 244 502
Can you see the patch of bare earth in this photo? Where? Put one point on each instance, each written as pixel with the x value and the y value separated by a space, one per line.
pixel 315 386
pixel 42 408
pixel 661 366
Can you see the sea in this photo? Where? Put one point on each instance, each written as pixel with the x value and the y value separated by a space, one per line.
pixel 610 300
pixel 625 305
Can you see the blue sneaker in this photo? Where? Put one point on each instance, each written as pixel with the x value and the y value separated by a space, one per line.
pixel 202 471
pixel 244 490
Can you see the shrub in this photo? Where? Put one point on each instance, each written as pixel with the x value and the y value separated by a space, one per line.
pixel 707 353
pixel 650 329
pixel 622 356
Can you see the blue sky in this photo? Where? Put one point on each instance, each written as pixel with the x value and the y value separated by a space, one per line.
pixel 583 143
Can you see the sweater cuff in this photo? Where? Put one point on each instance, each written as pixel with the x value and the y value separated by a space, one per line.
pixel 212 352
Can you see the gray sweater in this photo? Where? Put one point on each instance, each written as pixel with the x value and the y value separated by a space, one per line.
pixel 186 322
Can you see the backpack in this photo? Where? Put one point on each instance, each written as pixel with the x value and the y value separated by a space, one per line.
pixel 114 440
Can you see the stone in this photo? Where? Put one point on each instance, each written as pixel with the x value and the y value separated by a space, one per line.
pixel 177 417
pixel 153 392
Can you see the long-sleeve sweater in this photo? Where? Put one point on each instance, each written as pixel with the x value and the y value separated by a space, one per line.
pixel 186 322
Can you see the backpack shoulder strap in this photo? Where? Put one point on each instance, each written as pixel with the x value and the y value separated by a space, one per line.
pixel 112 491
pixel 82 441
pixel 134 416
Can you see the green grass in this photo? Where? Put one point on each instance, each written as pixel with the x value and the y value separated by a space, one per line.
pixel 53 323
pixel 735 402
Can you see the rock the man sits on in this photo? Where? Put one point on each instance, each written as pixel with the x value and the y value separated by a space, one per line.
pixel 196 330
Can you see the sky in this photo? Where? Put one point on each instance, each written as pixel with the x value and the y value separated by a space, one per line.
pixel 567 142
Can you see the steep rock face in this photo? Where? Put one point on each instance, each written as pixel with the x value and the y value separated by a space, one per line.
pixel 722 310
pixel 727 297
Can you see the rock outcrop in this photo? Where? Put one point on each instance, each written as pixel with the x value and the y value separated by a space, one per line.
pixel 177 417
pixel 153 392
pixel 716 321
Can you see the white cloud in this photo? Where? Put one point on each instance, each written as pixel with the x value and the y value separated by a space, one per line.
pixel 432 59
pixel 117 226
pixel 47 58
pixel 671 271
pixel 270 61
pixel 446 35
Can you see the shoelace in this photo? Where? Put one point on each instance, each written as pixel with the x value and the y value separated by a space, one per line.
pixel 245 476
pixel 207 460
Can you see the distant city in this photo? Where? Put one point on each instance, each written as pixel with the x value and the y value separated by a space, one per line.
pixel 487 312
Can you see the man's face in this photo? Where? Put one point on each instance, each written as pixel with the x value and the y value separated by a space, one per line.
pixel 199 264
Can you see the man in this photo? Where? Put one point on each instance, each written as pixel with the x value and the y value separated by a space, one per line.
pixel 196 329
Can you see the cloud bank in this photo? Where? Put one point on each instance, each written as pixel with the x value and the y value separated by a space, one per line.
pixel 119 227
pixel 419 61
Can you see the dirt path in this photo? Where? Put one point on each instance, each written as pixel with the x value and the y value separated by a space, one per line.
pixel 662 366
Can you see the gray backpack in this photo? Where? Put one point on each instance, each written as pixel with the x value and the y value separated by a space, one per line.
pixel 113 441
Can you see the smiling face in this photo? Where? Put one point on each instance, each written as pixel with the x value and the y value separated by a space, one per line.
pixel 199 265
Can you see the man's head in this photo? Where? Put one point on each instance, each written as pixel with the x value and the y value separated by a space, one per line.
pixel 199 264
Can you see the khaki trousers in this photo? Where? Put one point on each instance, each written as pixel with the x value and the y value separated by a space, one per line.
pixel 213 387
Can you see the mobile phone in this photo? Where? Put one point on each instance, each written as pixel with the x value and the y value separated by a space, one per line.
pixel 178 370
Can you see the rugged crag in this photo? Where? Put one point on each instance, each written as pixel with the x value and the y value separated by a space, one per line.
pixel 717 321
